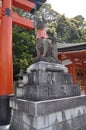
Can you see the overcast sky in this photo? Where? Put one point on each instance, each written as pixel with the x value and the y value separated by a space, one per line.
pixel 70 8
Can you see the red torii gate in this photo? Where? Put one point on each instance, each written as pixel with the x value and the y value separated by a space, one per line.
pixel 7 18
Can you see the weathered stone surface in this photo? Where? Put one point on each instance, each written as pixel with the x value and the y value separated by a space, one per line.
pixel 43 92
pixel 46 101
pixel 76 90
pixel 46 81
pixel 39 108
pixel 57 114
pixel 46 66
pixel 67 78
pixel 83 127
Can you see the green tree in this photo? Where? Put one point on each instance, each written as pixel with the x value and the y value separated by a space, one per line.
pixel 23 48
pixel 80 22
pixel 67 30
pixel 47 12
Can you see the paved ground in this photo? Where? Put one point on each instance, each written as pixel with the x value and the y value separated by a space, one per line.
pixel 4 127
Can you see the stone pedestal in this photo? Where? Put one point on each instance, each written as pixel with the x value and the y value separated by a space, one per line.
pixel 58 114
pixel 40 101
pixel 47 81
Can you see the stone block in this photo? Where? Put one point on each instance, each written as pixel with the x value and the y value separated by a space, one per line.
pixel 55 119
pixel 68 78
pixel 83 122
pixel 67 114
pixel 46 66
pixel 37 77
pixel 66 125
pixel 23 106
pixel 84 119
pixel 58 116
pixel 76 90
pixel 52 118
pixel 47 128
pixel 57 126
pixel 19 125
pixel 20 92
pixel 47 81
pixel 83 98
pixel 43 92
pixel 46 115
pixel 83 127
pixel 68 90
pixel 76 123
pixel 55 105
pixel 78 111
pixel 30 78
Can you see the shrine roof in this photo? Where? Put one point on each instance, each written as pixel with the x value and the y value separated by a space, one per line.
pixel 65 47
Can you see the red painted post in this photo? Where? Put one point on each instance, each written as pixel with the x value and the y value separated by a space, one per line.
pixel 6 70
pixel 24 4
pixel 0 29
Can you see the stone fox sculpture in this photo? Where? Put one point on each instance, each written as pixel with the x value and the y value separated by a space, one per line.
pixel 52 47
pixel 45 48
pixel 42 38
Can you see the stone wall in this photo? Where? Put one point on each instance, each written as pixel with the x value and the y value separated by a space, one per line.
pixel 58 114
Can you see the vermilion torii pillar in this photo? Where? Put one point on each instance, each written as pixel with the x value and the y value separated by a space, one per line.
pixel 6 70
pixel 7 18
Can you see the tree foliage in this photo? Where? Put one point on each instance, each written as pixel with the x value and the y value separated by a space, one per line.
pixel 47 12
pixel 66 29
pixel 23 48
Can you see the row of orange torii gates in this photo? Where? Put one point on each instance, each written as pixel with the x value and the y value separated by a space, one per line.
pixel 8 17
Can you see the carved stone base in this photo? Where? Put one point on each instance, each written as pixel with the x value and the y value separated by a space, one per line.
pixel 47 81
pixel 47 59
pixel 58 114
pixel 38 106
